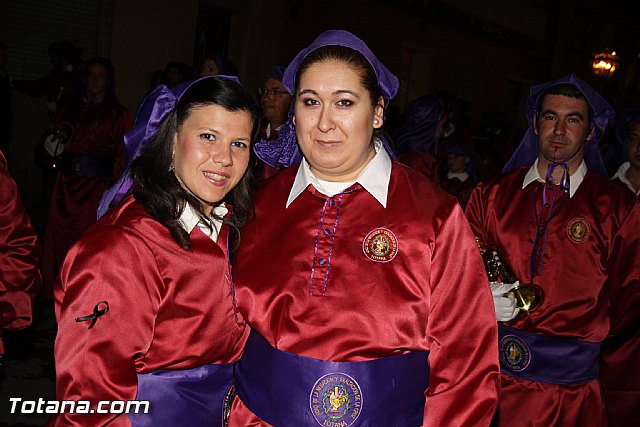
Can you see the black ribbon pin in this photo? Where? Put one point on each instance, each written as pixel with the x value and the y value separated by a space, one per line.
pixel 97 312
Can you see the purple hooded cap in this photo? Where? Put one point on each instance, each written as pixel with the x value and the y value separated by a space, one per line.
pixel 154 109
pixel 617 151
pixel 528 150
pixel 422 118
pixel 276 72
pixel 284 150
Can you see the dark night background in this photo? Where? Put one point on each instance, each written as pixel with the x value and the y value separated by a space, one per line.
pixel 487 53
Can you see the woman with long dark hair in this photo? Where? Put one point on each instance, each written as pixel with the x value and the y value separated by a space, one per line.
pixel 145 303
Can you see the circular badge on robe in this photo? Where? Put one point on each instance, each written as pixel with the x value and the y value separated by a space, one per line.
pixel 578 230
pixel 336 400
pixel 514 353
pixel 380 245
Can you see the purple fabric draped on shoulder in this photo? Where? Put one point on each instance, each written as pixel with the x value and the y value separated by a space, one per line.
pixel 154 109
pixel 284 150
pixel 528 150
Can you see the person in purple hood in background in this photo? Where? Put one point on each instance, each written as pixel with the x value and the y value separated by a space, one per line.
pixel 569 238
pixel 620 357
pixel 359 277
pixel 417 138
pixel 275 102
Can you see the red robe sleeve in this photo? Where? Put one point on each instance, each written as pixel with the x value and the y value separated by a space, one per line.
pixel 20 249
pixel 475 212
pixel 115 266
pixel 620 355
pixel 464 336
pixel 624 277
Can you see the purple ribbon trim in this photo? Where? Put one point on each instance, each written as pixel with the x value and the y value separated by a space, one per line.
pixel 278 386
pixel 564 180
pixel 192 396
pixel 550 359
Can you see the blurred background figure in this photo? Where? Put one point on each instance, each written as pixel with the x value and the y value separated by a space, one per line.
pixel 620 357
pixel 19 258
pixel 625 151
pixel 62 82
pixel 460 176
pixel 92 160
pixel 275 101
pixel 215 63
pixel 176 72
pixel 417 137
pixel 493 144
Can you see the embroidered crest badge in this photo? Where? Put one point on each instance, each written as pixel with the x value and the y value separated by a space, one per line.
pixel 578 230
pixel 380 245
pixel 336 400
pixel 514 353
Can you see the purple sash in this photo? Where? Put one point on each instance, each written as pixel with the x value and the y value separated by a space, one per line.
pixel 545 359
pixel 288 390
pixel 193 397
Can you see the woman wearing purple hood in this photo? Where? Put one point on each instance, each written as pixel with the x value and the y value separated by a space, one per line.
pixel 359 277
pixel 145 303
pixel 570 236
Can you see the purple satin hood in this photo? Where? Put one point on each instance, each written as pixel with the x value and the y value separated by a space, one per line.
pixel 284 150
pixel 154 109
pixel 528 150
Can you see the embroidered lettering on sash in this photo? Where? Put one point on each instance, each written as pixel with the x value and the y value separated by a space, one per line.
pixel 514 353
pixel 336 400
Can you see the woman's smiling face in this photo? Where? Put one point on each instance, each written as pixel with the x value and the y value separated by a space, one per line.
pixel 211 152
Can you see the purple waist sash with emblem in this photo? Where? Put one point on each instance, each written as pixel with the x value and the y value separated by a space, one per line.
pixel 545 359
pixel 288 390
pixel 193 397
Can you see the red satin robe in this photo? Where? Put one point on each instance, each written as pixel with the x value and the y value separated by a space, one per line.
pixel 98 130
pixel 168 309
pixel 578 276
pixel 460 189
pixel 620 365
pixel 424 162
pixel 19 258
pixel 430 297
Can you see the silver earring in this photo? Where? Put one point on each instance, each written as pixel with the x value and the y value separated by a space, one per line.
pixel 172 166
pixel 375 121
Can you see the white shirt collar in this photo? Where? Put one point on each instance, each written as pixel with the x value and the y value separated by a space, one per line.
pixel 462 176
pixel 574 181
pixel 189 219
pixel 621 174
pixel 374 177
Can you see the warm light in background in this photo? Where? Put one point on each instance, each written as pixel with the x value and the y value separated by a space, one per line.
pixel 604 63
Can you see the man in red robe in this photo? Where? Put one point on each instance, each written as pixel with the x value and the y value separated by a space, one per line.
pixel 560 224
pixel 92 161
pixel 620 358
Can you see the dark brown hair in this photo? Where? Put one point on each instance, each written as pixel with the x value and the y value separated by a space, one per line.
pixel 155 185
